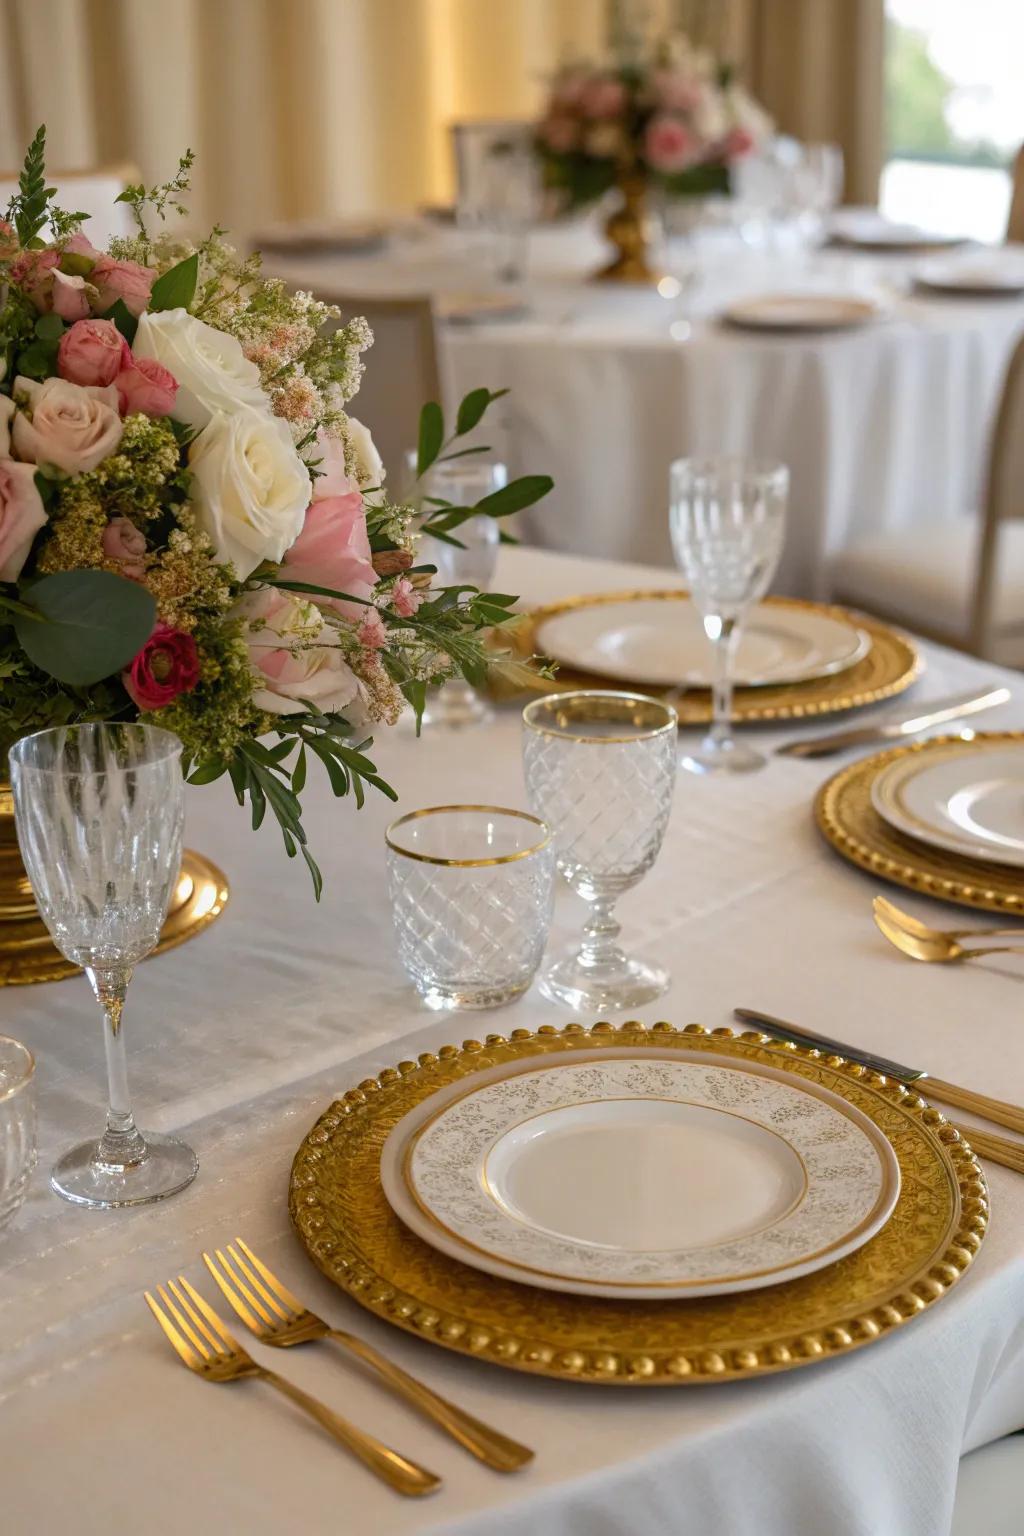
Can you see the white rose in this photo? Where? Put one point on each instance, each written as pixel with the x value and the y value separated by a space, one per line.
pixel 249 487
pixel 710 118
pixel 212 371
pixel 369 469
pixel 294 654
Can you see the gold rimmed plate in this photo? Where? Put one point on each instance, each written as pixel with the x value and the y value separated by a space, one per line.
pixel 890 665
pixel 343 1219
pixel 644 1175
pixel 847 817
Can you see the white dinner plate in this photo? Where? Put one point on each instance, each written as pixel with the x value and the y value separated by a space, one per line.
pixel 965 799
pixel 865 229
pixel 804 312
pixel 636 1174
pixel 661 642
pixel 478 308
pixel 978 279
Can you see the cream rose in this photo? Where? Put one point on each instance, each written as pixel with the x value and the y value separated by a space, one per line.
pixel 294 654
pixel 71 426
pixel 367 463
pixel 249 487
pixel 212 371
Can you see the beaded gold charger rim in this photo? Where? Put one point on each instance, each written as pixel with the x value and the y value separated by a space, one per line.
pixel 346 1225
pixel 848 820
pixel 890 666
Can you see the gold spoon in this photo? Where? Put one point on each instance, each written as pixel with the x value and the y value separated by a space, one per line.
pixel 937 948
pixel 900 919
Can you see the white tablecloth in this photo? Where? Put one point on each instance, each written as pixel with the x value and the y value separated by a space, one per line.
pixel 880 427
pixel 241 1038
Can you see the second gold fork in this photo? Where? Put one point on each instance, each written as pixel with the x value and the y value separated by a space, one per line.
pixel 277 1317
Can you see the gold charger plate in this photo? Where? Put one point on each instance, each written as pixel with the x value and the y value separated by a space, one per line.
pixel 890 666
pixel 849 821
pixel 346 1225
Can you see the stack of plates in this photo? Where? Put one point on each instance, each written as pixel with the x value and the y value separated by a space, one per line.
pixel 982 279
pixel 645 1207
pixel 865 229
pixel 789 312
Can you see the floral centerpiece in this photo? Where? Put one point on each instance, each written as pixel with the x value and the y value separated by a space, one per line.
pixel 194 532
pixel 678 120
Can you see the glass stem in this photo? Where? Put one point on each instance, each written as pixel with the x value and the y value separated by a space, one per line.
pixel 121 1143
pixel 721 685
pixel 599 950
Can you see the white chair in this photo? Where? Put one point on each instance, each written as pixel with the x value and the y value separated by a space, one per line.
pixel 960 582
pixel 403 373
pixel 91 192
pixel 990 1491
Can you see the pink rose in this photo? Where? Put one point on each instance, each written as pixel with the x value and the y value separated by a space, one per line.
pixel 33 274
pixel 167 665
pixel 21 516
pixel 125 280
pixel 294 654
pixel 146 386
pixel 124 543
pixel 328 458
pixel 738 142
pixel 9 243
pixel 372 632
pixel 404 598
pixel 669 146
pixel 73 427
pixel 676 92
pixel 560 133
pixel 92 352
pixel 333 550
pixel 81 245
pixel 68 296
pixel 603 96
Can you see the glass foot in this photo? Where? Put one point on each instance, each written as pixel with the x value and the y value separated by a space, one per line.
pixel 437 995
pixel 167 1166
pixel 728 756
pixel 626 985
pixel 456 709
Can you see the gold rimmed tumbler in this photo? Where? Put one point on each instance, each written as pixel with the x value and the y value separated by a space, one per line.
pixel 472 888
pixel 600 769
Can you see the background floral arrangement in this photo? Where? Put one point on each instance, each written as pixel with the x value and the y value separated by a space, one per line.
pixel 679 118
pixel 193 531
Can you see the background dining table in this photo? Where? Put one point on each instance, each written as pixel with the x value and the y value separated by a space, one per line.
pixel 882 426
pixel 244 1036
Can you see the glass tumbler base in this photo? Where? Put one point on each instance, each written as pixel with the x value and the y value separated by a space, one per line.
pixel 79 1176
pixel 468 996
pixel 630 985
pixel 729 756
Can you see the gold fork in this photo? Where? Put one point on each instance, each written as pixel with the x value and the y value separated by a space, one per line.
pixel 936 949
pixel 202 1342
pixel 896 915
pixel 277 1317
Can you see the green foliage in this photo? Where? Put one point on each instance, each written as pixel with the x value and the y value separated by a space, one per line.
pixel 85 625
pixel 29 205
pixel 122 317
pixel 472 408
pixel 176 288
pixel 918 95
pixel 431 436
pixel 165 195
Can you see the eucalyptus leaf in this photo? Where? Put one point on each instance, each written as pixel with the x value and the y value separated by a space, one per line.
pixel 515 496
pixel 431 436
pixel 471 410
pixel 50 327
pixel 95 623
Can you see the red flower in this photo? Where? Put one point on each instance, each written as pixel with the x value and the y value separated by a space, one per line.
pixel 167 666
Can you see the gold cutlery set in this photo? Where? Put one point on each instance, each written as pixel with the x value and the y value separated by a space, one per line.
pixel 277 1318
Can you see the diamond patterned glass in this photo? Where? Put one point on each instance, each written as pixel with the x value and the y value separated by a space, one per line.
pixel 17 1124
pixel 99 810
pixel 600 769
pixel 471 893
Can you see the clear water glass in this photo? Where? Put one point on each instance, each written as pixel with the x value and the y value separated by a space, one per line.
pixel 728 524
pixel 601 769
pixel 17 1124
pixel 472 888
pixel 461 483
pixel 99 811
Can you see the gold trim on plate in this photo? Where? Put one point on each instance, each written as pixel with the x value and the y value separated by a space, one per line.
pixel 889 667
pixel 848 820
pixel 345 1223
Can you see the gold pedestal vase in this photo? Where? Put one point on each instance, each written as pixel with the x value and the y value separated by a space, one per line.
pixel 629 230
pixel 27 953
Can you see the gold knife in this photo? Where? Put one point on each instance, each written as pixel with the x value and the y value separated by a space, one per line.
pixel 996 1110
pixel 894 730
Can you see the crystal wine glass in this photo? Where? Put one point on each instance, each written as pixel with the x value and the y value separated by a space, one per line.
pixel 457 704
pixel 600 770
pixel 728 522
pixel 99 811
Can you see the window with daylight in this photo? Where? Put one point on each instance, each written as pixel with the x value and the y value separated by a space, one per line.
pixel 954 113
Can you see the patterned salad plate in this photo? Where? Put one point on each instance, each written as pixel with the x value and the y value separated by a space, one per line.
pixel 641 1177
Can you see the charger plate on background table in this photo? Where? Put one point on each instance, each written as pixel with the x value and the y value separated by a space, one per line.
pixel 847 818
pixel 891 664
pixel 344 1221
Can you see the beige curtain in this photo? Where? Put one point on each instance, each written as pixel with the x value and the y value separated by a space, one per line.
pixel 294 107
pixel 818 67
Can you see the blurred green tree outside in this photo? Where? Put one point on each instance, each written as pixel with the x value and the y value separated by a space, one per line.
pixel 917 96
